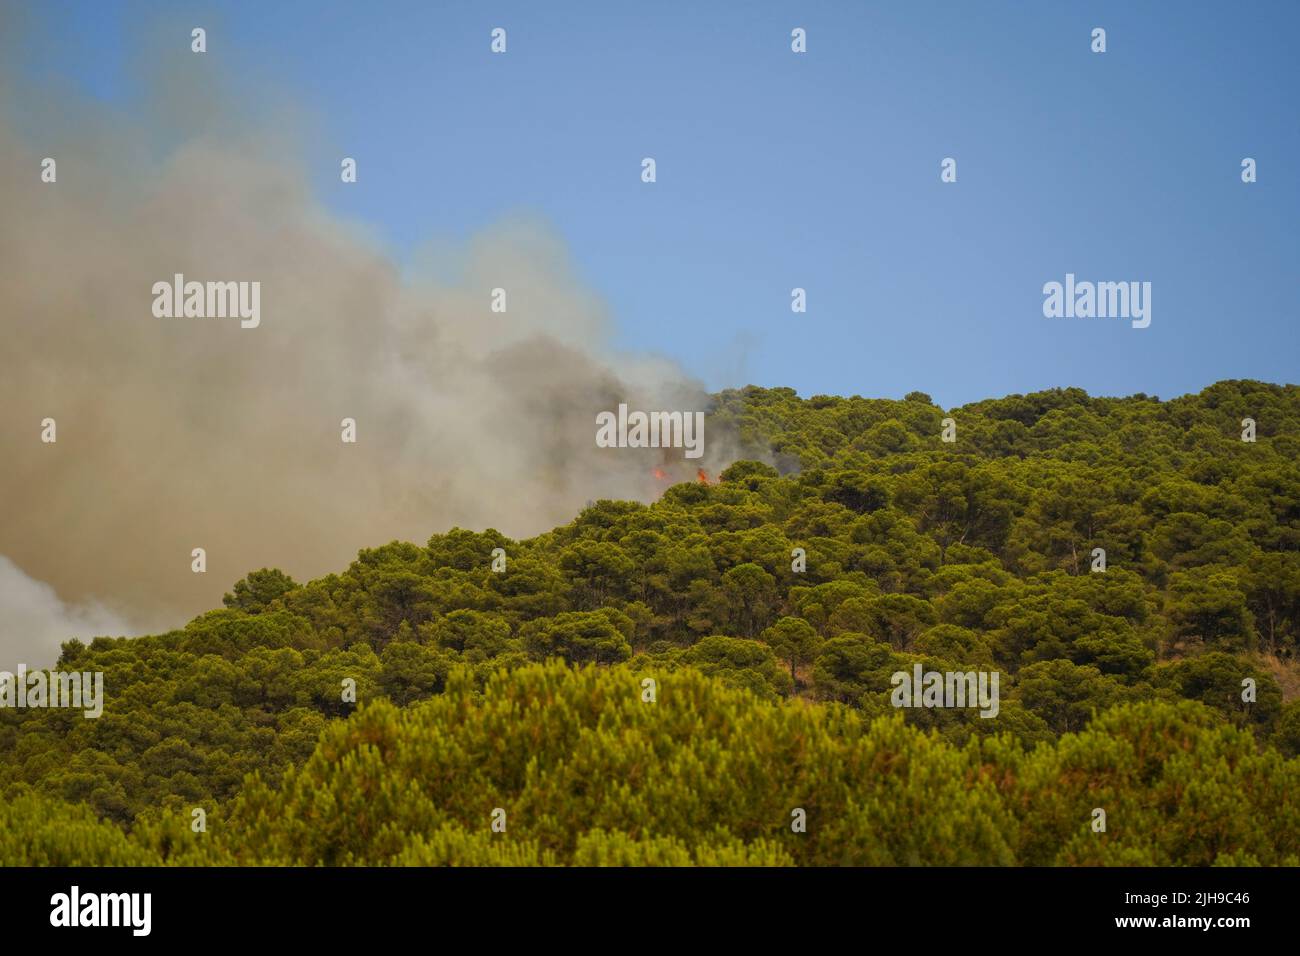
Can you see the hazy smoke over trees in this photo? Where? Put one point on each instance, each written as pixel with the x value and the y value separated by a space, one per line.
pixel 179 433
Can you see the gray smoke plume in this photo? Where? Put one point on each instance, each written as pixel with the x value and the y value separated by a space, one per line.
pixel 179 433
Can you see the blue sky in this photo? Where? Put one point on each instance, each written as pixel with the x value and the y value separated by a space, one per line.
pixel 820 170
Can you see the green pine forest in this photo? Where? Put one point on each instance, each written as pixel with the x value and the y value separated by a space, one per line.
pixel 523 691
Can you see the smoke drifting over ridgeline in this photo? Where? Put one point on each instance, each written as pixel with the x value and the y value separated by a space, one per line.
pixel 179 433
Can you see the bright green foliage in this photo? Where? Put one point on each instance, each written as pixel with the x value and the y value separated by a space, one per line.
pixel 1178 788
pixel 259 590
pixel 977 555
pixel 39 831
pixel 577 767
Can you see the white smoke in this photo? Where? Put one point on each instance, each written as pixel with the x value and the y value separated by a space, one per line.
pixel 180 433
pixel 34 622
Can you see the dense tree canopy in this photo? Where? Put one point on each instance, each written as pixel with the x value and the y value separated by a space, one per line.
pixel 770 610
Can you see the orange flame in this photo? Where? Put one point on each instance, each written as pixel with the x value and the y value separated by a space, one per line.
pixel 702 477
pixel 660 474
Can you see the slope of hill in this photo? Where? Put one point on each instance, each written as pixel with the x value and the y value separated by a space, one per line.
pixel 854 544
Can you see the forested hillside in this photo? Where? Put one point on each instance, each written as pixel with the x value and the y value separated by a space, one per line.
pixel 770 607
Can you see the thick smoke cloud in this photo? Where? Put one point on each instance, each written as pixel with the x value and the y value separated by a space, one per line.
pixel 177 433
pixel 35 622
